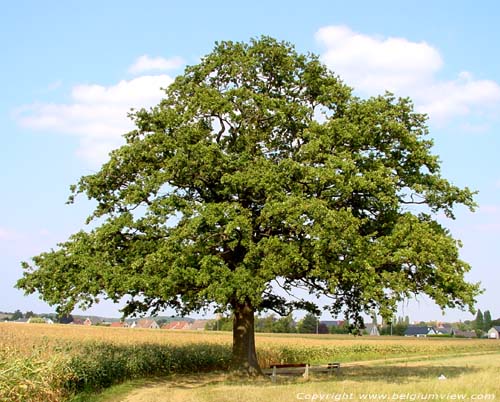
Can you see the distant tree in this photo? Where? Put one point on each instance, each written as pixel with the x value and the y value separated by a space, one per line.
pixel 479 322
pixel 222 324
pixel 265 324
pixel 285 325
pixel 487 321
pixel 340 329
pixel 29 314
pixel 17 315
pixel 37 320
pixel 161 321
pixel 323 328
pixel 308 324
pixel 397 327
pixel 64 318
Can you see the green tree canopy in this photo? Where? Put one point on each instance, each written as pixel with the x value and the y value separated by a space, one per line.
pixel 260 169
pixel 284 325
pixel 479 322
pixel 487 321
pixel 17 315
pixel 308 325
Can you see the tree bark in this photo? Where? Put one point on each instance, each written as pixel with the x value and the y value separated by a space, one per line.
pixel 244 358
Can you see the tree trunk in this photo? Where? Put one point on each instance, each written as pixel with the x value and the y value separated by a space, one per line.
pixel 244 358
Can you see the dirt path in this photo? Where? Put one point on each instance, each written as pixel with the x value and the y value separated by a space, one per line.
pixel 177 389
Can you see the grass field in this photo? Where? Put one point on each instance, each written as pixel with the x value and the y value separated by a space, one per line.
pixel 54 362
pixel 467 378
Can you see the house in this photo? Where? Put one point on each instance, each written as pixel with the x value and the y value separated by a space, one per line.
pixel 419 332
pixel 5 316
pixel 494 332
pixel 199 325
pixel 88 322
pixel 118 324
pixel 447 330
pixel 145 324
pixel 371 329
pixel 77 321
pixel 464 334
pixel 177 325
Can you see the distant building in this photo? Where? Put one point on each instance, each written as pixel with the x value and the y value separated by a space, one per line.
pixel 464 334
pixel 91 321
pixel 199 325
pixel 145 324
pixel 5 316
pixel 445 329
pixel 22 320
pixel 119 324
pixel 77 321
pixel 178 325
pixel 494 332
pixel 371 329
pixel 420 331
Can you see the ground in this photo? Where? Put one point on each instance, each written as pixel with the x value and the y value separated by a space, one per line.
pixel 464 377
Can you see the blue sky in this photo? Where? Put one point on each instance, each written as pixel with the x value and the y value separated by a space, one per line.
pixel 71 71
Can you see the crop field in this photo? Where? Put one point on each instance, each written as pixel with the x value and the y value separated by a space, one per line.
pixel 54 362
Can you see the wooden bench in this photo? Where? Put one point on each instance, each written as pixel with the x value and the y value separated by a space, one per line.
pixel 302 368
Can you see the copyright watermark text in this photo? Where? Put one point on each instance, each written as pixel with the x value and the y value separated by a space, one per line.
pixel 349 396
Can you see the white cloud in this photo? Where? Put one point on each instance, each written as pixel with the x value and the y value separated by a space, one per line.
pixel 147 63
pixel 373 64
pixel 97 114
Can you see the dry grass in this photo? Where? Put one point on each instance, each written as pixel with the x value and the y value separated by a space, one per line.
pixel 467 378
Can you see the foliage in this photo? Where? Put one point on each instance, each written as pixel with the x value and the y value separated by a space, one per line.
pixel 37 320
pixel 221 324
pixel 479 323
pixel 340 329
pixel 273 324
pixel 64 318
pixel 32 377
pixel 308 325
pixel 16 316
pixel 259 168
pixel 486 321
pixel 397 326
pixel 284 325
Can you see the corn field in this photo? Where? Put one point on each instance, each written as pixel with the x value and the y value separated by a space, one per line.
pixel 53 362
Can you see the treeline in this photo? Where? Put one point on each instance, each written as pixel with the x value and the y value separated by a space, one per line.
pixel 483 322
pixel 310 324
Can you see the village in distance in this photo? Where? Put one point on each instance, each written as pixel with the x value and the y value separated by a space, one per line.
pixel 483 326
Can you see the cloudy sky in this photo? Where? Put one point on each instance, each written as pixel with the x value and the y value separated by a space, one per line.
pixel 71 71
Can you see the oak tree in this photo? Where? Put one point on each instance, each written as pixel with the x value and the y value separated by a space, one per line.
pixel 259 171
